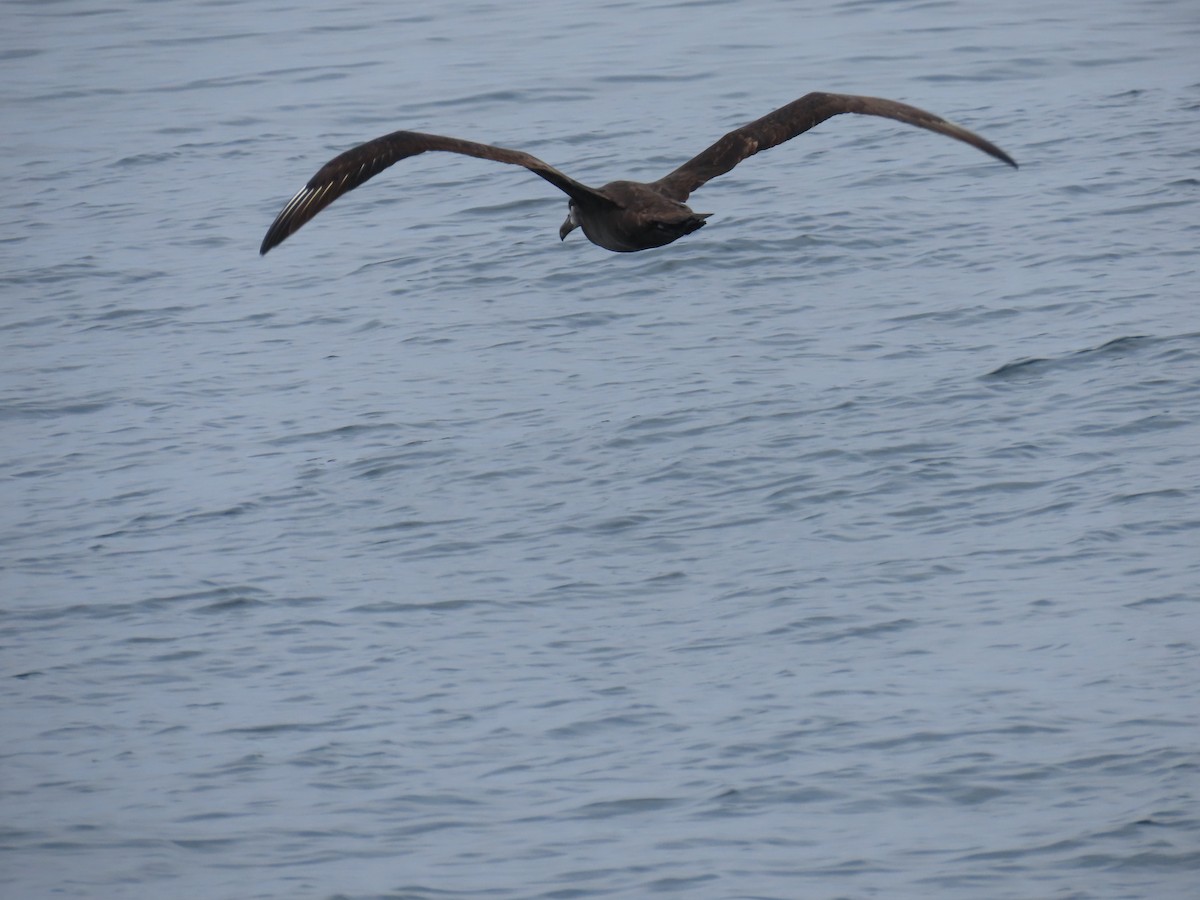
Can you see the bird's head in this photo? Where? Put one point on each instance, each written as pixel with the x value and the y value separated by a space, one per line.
pixel 571 222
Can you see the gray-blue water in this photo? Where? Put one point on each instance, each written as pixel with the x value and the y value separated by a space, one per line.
pixel 849 547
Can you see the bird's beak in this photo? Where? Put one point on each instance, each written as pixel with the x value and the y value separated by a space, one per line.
pixel 567 227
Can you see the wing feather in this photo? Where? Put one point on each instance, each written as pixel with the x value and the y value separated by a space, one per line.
pixel 796 118
pixel 348 170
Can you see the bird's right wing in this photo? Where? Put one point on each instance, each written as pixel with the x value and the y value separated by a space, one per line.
pixel 796 118
pixel 348 170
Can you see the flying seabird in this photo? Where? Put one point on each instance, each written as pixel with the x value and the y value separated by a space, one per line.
pixel 623 215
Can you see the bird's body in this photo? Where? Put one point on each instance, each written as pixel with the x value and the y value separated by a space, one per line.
pixel 640 217
pixel 623 216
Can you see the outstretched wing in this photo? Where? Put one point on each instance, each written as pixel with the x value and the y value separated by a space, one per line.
pixel 348 170
pixel 796 118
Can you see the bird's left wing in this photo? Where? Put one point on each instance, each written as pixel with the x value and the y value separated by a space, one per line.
pixel 348 170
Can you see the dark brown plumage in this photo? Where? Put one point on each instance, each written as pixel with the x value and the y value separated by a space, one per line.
pixel 623 215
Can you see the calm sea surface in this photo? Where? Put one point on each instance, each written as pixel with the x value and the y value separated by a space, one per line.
pixel 849 547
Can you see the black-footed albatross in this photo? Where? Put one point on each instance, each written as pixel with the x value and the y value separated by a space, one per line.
pixel 623 215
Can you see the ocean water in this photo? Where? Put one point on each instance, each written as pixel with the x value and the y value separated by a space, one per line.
pixel 848 547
